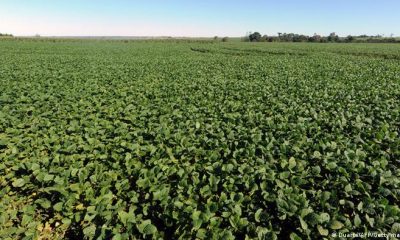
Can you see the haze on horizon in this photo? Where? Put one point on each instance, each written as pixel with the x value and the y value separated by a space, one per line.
pixel 198 18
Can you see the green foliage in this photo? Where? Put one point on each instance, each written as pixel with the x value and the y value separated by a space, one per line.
pixel 255 37
pixel 159 140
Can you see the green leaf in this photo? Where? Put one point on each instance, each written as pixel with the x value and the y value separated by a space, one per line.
pixel 370 220
pixel 317 154
pixel 196 215
pixel 238 210
pixel 303 224
pixel 197 223
pixel 332 165
pixel 201 233
pixel 257 215
pixel 66 221
pixel 117 236
pixel 196 220
pixel 18 183
pixel 178 204
pixel 58 206
pixel 306 211
pixel 26 219
pixel 234 221
pixel 348 188
pixel 280 183
pixel 43 202
pixel 324 217
pixel 48 177
pixel 227 235
pixel 395 228
pixel 357 220
pixel 35 167
pixel 75 187
pixel 316 170
pixel 322 231
pixel 294 236
pixel 128 156
pixel 147 228
pixel 292 163
pixel 126 217
pixel 335 225
pixel 360 206
pixel 90 231
pixel 74 171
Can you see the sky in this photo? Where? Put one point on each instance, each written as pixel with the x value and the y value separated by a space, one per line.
pixel 198 18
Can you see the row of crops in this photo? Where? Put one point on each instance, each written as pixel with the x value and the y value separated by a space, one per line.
pixel 159 140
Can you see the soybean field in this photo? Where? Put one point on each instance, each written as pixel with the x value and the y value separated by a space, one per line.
pixel 112 139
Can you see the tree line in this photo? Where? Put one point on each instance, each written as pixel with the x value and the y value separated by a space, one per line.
pixel 333 37
pixel 5 35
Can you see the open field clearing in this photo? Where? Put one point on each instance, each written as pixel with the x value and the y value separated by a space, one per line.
pixel 165 139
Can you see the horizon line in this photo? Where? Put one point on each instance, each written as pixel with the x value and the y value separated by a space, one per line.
pixel 185 36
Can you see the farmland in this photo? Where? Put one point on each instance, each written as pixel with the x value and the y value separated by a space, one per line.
pixel 165 139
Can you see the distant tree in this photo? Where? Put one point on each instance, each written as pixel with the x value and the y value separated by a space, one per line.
pixel 315 38
pixel 333 37
pixel 330 37
pixel 264 38
pixel 283 37
pixel 349 38
pixel 300 38
pixel 255 37
pixel 225 39
pixel 5 35
pixel 323 40
pixel 287 37
pixel 215 38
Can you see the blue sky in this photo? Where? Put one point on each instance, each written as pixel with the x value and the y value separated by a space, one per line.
pixel 198 17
